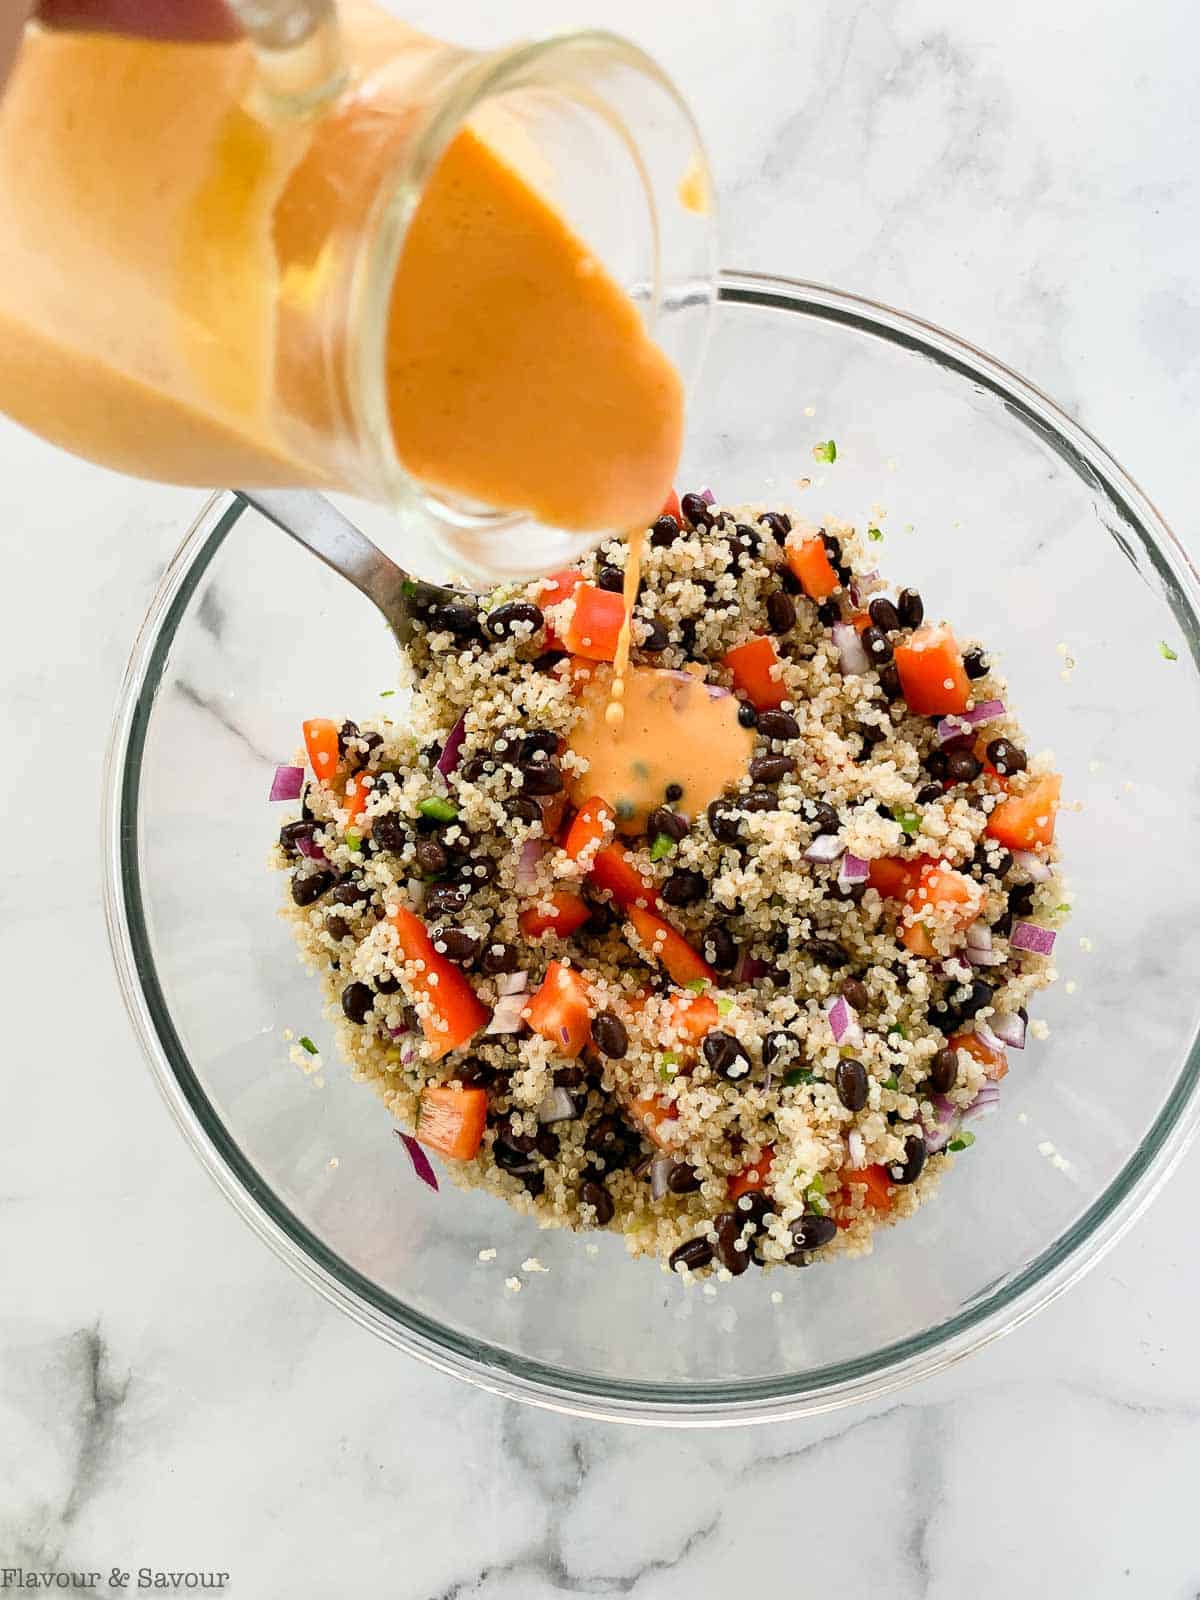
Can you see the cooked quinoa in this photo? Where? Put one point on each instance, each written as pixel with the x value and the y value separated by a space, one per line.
pixel 847 911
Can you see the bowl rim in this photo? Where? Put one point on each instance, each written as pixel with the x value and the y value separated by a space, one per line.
pixel 1005 1305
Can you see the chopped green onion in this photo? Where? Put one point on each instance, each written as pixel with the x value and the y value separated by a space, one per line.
pixel 891 1083
pixel 662 846
pixel 384 693
pixel 1165 651
pixel 910 821
pixel 696 985
pixel 963 1142
pixel 307 1044
pixel 437 809
pixel 875 534
pixel 896 1031
pixel 667 1063
pixel 724 1006
pixel 1062 907
pixel 354 839
pixel 796 1076
pixel 814 1196
pixel 825 451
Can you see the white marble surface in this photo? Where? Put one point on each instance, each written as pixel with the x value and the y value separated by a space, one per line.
pixel 170 1395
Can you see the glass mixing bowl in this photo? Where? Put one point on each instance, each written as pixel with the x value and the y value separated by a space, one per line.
pixel 1014 524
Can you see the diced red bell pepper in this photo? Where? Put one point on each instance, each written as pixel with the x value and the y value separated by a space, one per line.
pixel 751 665
pixel 809 560
pixel 875 1180
pixel 693 1016
pixel 613 869
pixel 752 1179
pixel 947 890
pixel 669 948
pixel 654 1118
pixel 451 1120
pixel 561 913
pixel 591 826
pixel 671 507
pixel 358 792
pixel 895 879
pixel 1023 821
pixel 559 1011
pixel 559 586
pixel 933 679
pixel 451 1012
pixel 993 1062
pixel 321 743
pixel 595 623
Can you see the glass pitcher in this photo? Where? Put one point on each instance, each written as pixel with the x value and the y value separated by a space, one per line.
pixel 201 247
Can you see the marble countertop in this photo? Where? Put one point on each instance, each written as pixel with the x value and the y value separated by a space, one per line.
pixel 170 1395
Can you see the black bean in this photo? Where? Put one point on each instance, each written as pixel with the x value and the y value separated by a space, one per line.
pixel 982 994
pixel 780 941
pixel 541 777
pixel 754 1208
pixel 460 620
pixel 526 1143
pixel 889 682
pixel 663 820
pixel 459 842
pixel 990 860
pixel 788 581
pixel 871 734
pixel 884 614
pixel 829 612
pixel 473 768
pixel 771 769
pixel 538 741
pixel 760 799
pixel 1020 899
pixel 1002 926
pixel 512 615
pixel 534 1182
pixel 852 1085
pixel 1006 757
pixel 778 524
pixel 962 766
pixel 475 871
pixel 693 1255
pixel 833 550
pixel 778 725
pixel 877 645
pixel 687 633
pixel 508 1158
pixel 747 715
pixel 822 816
pixel 854 992
pixel 611 578
pixel 445 899
pixel 929 793
pixel 780 1045
pixel 781 611
pixel 594 1194
pixel 347 731
pixel 724 821
pixel 935 764
pixel 656 639
pixel 696 511
pixel 610 1035
pixel 718 948
pixel 684 887
pixel 498 958
pixel 292 832
pixel 911 608
pixel 475 1073
pixel 910 1169
pixel 430 857
pixel 547 1144
pixel 350 892
pixel 674 792
pixel 943 1071
pixel 524 808
pixel 827 953
pixel 357 1000
pixel 725 1054
pixel 336 927
pixel 975 663
pixel 811 1232
pixel 601 919
pixel 683 1178
pixel 729 1227
pixel 456 944
pixel 547 661
pixel 666 530
pixel 309 889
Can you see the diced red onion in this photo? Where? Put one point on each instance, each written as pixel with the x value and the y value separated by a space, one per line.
pixel 408 1054
pixel 556 1106
pixel 1037 870
pixel 400 1030
pixel 1028 936
pixel 953 727
pixel 940 1129
pixel 825 847
pixel 708 496
pixel 852 870
pixel 984 958
pixel 860 586
pixel 1009 1026
pixel 512 983
pixel 987 1038
pixel 852 658
pixel 309 847
pixel 748 968
pixel 506 1015
pixel 420 1161
pixel 715 691
pixel 660 1172
pixel 532 852
pixel 858 1150
pixel 843 1019
pixel 447 762
pixel 416 891
pixel 979 936
pixel 984 1103
pixel 287 784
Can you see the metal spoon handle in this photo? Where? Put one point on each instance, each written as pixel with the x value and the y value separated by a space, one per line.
pixel 319 526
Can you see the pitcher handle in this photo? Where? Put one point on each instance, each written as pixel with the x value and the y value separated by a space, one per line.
pixel 298 43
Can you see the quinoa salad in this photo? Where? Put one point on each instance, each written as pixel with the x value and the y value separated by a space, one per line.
pixel 734 970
